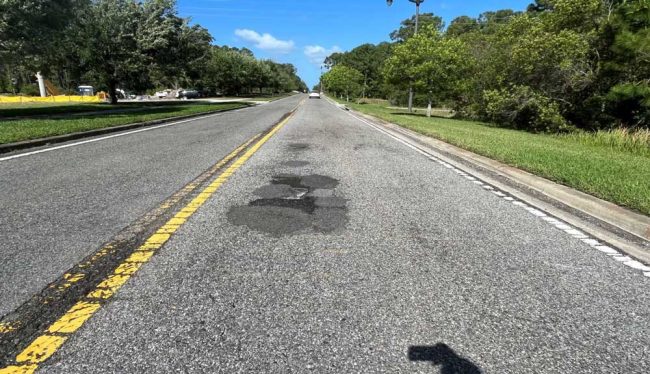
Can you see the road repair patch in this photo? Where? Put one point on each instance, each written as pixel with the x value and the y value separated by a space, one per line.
pixel 293 203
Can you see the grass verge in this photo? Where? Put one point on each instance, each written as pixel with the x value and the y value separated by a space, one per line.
pixel 39 109
pixel 599 164
pixel 26 129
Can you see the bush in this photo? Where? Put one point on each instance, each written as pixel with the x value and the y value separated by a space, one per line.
pixel 373 101
pixel 631 104
pixel 30 90
pixel 633 141
pixel 521 108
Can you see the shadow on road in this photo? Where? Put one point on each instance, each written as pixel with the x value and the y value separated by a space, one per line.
pixel 445 357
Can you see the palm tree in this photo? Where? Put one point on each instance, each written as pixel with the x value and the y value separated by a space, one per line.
pixel 417 11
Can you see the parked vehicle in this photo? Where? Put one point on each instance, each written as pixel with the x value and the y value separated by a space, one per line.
pixel 163 94
pixel 122 94
pixel 188 94
pixel 86 90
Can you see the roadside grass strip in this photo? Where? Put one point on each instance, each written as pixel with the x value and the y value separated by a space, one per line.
pixel 594 243
pixel 49 342
pixel 18 130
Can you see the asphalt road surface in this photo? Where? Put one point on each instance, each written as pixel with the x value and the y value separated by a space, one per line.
pixel 60 206
pixel 333 248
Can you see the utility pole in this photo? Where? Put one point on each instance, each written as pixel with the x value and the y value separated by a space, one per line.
pixel 417 22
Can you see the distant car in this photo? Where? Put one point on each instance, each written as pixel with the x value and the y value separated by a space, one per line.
pixel 314 95
pixel 188 94
pixel 162 94
pixel 121 94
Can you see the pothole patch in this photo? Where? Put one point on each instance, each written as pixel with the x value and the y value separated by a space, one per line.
pixel 295 164
pixel 298 146
pixel 293 203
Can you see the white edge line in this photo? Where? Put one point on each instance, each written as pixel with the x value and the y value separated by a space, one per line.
pixel 571 230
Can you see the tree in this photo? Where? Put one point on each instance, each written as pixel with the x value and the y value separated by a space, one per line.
pixel 582 63
pixel 539 6
pixel 489 22
pixel 181 62
pixel 140 44
pixel 232 71
pixel 32 35
pixel 131 44
pixel 334 59
pixel 127 40
pixel 367 59
pixel 554 63
pixel 343 79
pixel 111 49
pixel 462 25
pixel 435 64
pixel 29 28
pixel 407 27
pixel 626 63
pixel 226 70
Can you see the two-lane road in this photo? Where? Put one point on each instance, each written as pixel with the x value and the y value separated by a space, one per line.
pixel 332 248
pixel 59 206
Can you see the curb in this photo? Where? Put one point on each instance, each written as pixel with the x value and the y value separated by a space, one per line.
pixel 628 230
pixel 11 147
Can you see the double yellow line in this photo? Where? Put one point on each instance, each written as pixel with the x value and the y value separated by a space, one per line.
pixel 46 344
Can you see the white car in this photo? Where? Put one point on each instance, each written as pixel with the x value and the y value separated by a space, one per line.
pixel 163 94
pixel 314 95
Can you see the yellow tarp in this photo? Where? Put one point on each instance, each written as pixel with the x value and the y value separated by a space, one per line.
pixel 50 99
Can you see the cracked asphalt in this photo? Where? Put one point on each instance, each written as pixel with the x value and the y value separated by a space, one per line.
pixel 333 249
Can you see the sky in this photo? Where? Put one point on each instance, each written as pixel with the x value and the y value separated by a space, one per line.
pixel 304 32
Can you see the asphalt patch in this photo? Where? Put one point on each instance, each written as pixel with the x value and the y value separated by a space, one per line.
pixel 298 146
pixel 295 164
pixel 319 181
pixel 293 203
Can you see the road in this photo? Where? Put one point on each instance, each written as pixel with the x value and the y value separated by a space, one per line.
pixel 332 248
pixel 64 204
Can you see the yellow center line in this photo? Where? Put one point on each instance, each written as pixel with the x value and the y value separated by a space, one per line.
pixel 6 327
pixel 45 345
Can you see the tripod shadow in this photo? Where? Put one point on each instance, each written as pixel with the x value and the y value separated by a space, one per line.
pixel 445 357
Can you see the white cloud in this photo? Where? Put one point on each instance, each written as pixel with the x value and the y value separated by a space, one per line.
pixel 265 41
pixel 317 54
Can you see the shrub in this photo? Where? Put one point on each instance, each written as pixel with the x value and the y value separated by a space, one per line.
pixel 373 101
pixel 30 90
pixel 631 103
pixel 634 141
pixel 522 108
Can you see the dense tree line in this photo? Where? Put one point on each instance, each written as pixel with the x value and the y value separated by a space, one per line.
pixel 367 60
pixel 137 46
pixel 558 65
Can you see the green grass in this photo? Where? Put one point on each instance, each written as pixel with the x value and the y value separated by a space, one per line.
pixel 609 165
pixel 25 129
pixel 42 109
pixel 37 109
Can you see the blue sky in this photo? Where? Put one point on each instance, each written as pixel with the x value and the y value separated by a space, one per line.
pixel 302 32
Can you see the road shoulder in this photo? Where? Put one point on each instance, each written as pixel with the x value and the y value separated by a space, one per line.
pixel 625 229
